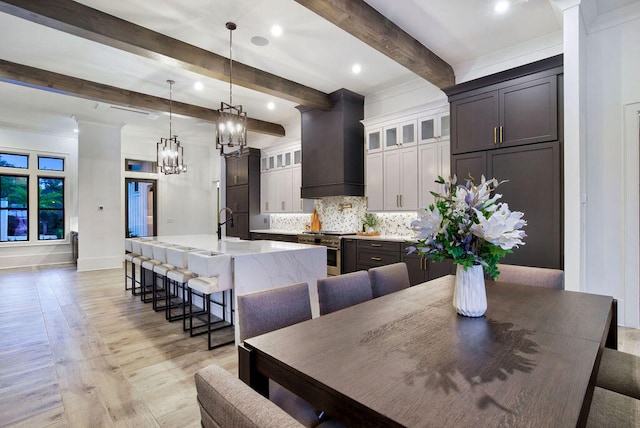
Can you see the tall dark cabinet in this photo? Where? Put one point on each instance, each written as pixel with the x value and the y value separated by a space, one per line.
pixel 509 126
pixel 243 191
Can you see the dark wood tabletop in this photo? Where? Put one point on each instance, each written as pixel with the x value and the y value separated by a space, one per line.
pixel 407 359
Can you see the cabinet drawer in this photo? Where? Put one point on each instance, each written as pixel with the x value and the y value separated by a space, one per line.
pixel 382 246
pixel 377 258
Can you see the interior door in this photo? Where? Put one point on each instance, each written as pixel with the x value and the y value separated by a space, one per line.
pixel 140 207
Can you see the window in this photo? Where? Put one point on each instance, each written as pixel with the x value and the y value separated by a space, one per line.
pixel 10 160
pixel 139 165
pixel 50 164
pixel 50 208
pixel 14 205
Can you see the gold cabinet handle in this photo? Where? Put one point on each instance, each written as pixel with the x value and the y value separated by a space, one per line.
pixel 376 245
pixel 377 259
pixel 495 135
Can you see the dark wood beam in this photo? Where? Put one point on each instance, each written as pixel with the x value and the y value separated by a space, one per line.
pixel 365 23
pixel 19 74
pixel 83 21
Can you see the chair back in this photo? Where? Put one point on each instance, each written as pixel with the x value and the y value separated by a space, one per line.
pixel 207 264
pixel 342 291
pixel 269 310
pixel 147 249
pixel 160 252
pixel 127 245
pixel 534 276
pixel 389 279
pixel 177 256
pixel 226 401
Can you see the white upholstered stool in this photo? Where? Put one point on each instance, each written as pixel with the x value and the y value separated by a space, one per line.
pixel 177 279
pixel 215 275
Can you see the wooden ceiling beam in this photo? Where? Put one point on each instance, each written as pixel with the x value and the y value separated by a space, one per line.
pixel 365 23
pixel 24 75
pixel 92 24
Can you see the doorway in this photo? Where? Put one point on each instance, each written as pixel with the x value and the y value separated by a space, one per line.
pixel 140 207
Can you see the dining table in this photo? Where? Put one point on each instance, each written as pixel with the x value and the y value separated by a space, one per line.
pixel 408 359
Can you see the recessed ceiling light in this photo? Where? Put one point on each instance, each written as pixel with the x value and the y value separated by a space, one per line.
pixel 198 86
pixel 276 30
pixel 356 69
pixel 259 41
pixel 501 6
pixel 271 106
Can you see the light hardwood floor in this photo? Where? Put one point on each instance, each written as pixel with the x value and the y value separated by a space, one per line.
pixel 77 350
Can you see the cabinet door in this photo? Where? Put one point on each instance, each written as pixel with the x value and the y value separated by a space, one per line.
pixel 529 112
pixel 374 140
pixel 408 135
pixel 267 195
pixel 374 182
pixel 392 183
pixel 391 137
pixel 283 191
pixel 296 185
pixel 428 158
pixel 469 164
pixel 534 187
pixel 238 198
pixel 237 170
pixel 416 265
pixel 434 128
pixel 439 269
pixel 409 178
pixel 474 123
pixel 240 228
pixel 349 255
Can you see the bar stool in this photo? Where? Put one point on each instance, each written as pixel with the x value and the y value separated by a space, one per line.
pixel 147 269
pixel 138 258
pixel 128 260
pixel 215 275
pixel 160 270
pixel 177 278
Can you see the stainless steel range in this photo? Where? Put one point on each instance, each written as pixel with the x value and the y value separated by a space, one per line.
pixel 331 240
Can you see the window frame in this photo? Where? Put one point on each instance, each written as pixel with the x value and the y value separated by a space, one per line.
pixel 2 241
pixel 62 209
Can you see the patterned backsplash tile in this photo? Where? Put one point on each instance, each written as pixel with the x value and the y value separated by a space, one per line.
pixel 344 213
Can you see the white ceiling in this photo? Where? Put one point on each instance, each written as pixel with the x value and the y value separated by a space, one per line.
pixel 311 51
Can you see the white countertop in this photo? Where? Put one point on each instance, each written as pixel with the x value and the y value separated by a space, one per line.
pixel 232 246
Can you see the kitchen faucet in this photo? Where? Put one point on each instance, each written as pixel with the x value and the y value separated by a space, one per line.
pixel 230 219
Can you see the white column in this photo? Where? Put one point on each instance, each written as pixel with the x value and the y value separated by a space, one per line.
pixel 100 233
pixel 575 199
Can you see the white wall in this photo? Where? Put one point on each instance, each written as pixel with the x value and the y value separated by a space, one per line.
pixel 14 254
pixel 613 82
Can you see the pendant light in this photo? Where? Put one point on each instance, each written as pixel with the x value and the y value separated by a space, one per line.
pixel 231 126
pixel 169 151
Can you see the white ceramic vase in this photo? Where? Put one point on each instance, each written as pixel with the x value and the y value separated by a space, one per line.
pixel 469 296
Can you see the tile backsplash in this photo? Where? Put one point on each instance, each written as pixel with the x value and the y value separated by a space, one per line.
pixel 344 213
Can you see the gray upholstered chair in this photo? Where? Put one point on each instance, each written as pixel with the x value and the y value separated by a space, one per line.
pixel 535 276
pixel 342 291
pixel 610 409
pixel 389 279
pixel 269 310
pixel 226 401
pixel 619 372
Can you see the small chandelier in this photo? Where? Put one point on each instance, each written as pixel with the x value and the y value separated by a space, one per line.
pixel 170 156
pixel 231 127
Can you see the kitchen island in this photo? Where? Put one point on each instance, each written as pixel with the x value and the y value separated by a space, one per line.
pixel 261 265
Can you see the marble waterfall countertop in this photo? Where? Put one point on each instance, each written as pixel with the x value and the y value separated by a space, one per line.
pixel 263 265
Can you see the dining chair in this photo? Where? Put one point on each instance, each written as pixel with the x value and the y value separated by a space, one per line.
pixel 619 372
pixel 214 275
pixel 342 291
pixel 388 279
pixel 610 409
pixel 226 401
pixel 265 311
pixel 534 276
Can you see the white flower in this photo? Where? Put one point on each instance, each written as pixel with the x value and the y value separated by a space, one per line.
pixel 428 224
pixel 502 228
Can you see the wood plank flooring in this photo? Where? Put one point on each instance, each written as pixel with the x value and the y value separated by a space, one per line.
pixel 77 350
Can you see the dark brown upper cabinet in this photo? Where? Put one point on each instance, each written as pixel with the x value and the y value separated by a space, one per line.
pixel 520 111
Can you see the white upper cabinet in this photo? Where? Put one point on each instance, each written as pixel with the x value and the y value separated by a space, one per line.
pixel 400 183
pixel 374 140
pixel 374 179
pixel 281 180
pixel 434 127
pixel 400 135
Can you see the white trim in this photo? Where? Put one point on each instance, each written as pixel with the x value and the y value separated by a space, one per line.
pixel 629 307
pixel 99 263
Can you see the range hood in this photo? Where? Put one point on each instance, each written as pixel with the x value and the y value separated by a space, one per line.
pixel 333 147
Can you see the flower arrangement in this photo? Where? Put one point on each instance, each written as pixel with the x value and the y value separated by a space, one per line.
pixel 469 226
